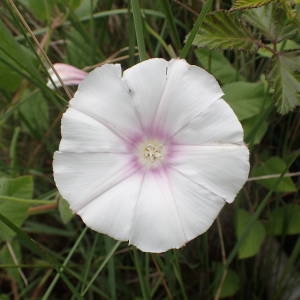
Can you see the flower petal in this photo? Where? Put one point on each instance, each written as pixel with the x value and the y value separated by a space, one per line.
pixel 156 226
pixel 217 124
pixel 220 169
pixel 112 212
pixel 146 81
pixel 82 177
pixel 81 133
pixel 197 207
pixel 68 74
pixel 104 96
pixel 189 91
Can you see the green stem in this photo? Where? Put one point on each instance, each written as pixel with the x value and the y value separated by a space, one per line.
pixel 205 9
pixel 25 201
pixel 140 274
pixel 61 269
pixel 104 263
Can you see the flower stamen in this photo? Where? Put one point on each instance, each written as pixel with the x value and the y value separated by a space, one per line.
pixel 151 153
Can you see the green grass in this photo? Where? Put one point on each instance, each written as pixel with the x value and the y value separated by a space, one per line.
pixel 48 253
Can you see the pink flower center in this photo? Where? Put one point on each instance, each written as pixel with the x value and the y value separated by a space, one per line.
pixel 151 151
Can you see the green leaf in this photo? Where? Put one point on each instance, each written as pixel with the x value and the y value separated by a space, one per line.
pixel 34 113
pixel 28 242
pixel 9 79
pixel 14 54
pixel 231 283
pixel 15 212
pixel 64 211
pixel 73 4
pixel 254 137
pixel 241 4
pixel 85 8
pixel 251 244
pixel 246 99
pixel 21 187
pixel 284 220
pixel 6 258
pixel 77 50
pixel 272 22
pixel 41 9
pixel 282 46
pixel 274 165
pixel 285 80
pixel 217 64
pixel 225 31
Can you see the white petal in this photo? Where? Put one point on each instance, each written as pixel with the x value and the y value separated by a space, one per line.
pixel 156 224
pixel 197 207
pixel 146 81
pixel 81 133
pixel 81 177
pixel 220 169
pixel 189 91
pixel 112 212
pixel 104 96
pixel 217 124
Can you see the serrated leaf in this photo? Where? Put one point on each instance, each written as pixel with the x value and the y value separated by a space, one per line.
pixel 285 80
pixel 247 99
pixel 272 22
pixel 217 64
pixel 282 46
pixel 284 220
pixel 253 241
pixel 225 31
pixel 274 165
pixel 241 4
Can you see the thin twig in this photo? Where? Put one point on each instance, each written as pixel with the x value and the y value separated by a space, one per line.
pixel 186 7
pixel 162 275
pixel 294 174
pixel 223 253
pixel 108 61
pixel 15 260
pixel 42 208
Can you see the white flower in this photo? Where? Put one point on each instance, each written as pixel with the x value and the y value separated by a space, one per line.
pixel 151 156
pixel 69 75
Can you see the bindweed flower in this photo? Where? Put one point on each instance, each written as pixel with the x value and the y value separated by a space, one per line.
pixel 69 75
pixel 150 156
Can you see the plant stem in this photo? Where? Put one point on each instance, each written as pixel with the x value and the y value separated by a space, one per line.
pixel 205 9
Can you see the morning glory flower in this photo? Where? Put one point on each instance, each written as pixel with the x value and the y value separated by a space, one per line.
pixel 150 156
pixel 69 75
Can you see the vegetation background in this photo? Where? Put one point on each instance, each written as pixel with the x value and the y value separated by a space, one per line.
pixel 252 47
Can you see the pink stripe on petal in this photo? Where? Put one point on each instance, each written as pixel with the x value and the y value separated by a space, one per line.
pixel 70 75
